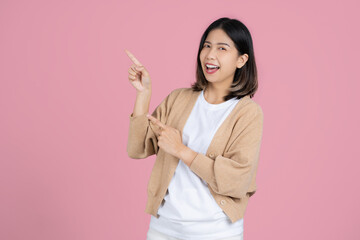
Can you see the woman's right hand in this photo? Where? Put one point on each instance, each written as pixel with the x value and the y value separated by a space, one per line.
pixel 138 75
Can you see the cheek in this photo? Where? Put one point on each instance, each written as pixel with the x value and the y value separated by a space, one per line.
pixel 203 53
pixel 231 64
pixel 201 56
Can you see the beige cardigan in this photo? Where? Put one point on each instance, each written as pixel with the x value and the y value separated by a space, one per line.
pixel 230 164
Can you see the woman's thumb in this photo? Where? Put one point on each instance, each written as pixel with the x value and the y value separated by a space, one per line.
pixel 139 68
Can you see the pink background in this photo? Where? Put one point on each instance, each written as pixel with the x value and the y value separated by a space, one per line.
pixel 65 102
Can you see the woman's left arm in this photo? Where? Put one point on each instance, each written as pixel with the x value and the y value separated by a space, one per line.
pixel 231 174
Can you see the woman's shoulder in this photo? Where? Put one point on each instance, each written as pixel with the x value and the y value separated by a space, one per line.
pixel 249 107
pixel 183 92
pixel 255 106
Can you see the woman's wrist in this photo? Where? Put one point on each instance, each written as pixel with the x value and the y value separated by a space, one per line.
pixel 187 155
pixel 142 103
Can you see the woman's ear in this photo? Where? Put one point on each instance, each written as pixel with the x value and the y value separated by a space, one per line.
pixel 242 60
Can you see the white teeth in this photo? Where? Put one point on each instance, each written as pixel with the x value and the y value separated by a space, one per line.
pixel 211 66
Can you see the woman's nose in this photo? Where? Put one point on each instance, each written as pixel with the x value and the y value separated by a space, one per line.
pixel 211 54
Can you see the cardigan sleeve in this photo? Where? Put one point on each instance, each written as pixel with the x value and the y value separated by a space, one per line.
pixel 142 141
pixel 232 174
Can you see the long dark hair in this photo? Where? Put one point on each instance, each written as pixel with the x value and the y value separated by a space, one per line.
pixel 245 78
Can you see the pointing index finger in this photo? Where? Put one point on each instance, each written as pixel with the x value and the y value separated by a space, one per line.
pixel 132 57
pixel 156 121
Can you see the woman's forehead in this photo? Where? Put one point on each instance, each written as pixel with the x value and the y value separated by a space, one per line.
pixel 218 36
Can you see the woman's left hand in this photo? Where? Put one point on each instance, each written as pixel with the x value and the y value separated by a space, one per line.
pixel 169 139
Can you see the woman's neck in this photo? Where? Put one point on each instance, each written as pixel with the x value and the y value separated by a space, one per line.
pixel 215 95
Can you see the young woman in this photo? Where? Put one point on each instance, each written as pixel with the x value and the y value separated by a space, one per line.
pixel 206 139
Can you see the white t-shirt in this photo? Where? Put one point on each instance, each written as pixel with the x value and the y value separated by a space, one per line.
pixel 189 210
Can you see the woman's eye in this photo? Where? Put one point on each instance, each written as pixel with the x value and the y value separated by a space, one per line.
pixel 207 45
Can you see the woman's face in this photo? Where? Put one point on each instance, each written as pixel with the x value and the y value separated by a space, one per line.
pixel 220 50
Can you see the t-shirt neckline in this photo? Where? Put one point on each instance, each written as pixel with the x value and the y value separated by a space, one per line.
pixel 216 106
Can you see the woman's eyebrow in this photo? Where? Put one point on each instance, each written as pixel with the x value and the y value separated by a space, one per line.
pixel 219 43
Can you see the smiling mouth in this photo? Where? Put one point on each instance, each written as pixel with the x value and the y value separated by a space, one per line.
pixel 209 66
pixel 211 70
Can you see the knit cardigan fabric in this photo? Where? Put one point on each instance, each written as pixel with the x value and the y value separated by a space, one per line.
pixel 230 164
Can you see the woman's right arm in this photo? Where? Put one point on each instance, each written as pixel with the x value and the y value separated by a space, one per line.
pixel 142 103
pixel 142 138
